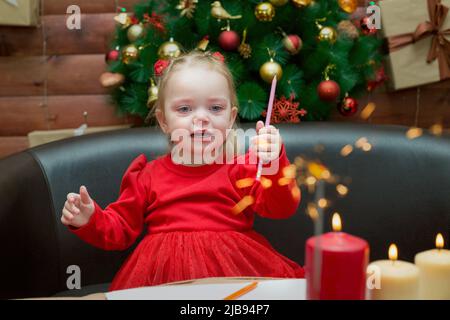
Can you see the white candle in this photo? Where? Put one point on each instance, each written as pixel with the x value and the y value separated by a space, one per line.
pixel 393 279
pixel 434 272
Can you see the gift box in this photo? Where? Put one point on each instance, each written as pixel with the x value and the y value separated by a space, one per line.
pixel 19 12
pixel 38 137
pixel 418 39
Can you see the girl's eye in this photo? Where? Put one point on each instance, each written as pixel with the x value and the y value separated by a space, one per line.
pixel 184 109
pixel 216 108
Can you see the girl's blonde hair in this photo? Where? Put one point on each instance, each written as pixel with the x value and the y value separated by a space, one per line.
pixel 197 57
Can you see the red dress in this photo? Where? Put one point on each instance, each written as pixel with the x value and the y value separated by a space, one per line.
pixel 192 231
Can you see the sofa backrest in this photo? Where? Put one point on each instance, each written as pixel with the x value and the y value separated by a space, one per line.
pixel 399 192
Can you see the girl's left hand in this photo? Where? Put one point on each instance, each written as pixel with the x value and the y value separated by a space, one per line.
pixel 267 143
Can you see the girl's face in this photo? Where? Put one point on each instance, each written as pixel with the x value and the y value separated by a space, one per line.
pixel 197 100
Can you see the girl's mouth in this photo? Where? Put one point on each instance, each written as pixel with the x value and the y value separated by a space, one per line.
pixel 202 136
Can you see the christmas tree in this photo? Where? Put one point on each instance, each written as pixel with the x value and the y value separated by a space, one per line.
pixel 321 59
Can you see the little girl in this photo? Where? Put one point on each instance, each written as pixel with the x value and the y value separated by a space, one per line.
pixel 197 222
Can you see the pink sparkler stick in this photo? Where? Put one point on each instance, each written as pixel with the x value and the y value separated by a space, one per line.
pixel 268 116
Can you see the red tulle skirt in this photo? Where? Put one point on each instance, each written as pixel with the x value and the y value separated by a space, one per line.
pixel 177 256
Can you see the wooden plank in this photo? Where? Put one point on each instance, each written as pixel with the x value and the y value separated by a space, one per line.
pixel 20 41
pixel 86 6
pixel 400 107
pixel 21 76
pixel 95 36
pixel 11 145
pixel 21 115
pixel 67 75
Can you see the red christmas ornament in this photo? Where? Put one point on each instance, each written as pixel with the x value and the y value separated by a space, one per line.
pixel 285 110
pixel 328 90
pixel 113 55
pixel 292 43
pixel 348 106
pixel 365 27
pixel 229 40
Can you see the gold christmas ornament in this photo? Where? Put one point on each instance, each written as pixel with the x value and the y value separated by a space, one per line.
pixel 269 69
pixel 301 3
pixel 347 29
pixel 130 54
pixel 187 8
pixel 218 12
pixel 169 49
pixel 152 94
pixel 327 34
pixel 244 49
pixel 135 32
pixel 278 3
pixel 348 6
pixel 264 11
pixel 123 19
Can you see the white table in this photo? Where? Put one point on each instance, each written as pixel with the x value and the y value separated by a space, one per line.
pixel 217 289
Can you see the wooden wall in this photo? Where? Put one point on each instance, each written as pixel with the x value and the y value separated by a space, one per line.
pixel 75 60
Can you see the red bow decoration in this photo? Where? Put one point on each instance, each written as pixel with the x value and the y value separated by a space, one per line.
pixel 156 21
pixel 159 67
pixel 219 56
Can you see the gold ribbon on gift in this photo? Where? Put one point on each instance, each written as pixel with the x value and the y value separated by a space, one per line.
pixel 440 45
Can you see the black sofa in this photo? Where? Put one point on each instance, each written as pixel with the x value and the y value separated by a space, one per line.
pixel 399 192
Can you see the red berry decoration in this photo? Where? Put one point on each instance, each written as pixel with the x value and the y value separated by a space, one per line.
pixel 113 55
pixel 229 40
pixel 348 106
pixel 328 90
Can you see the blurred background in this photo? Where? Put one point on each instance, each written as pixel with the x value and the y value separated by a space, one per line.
pixel 54 80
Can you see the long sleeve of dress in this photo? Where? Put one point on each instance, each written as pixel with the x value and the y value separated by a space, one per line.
pixel 276 199
pixel 121 222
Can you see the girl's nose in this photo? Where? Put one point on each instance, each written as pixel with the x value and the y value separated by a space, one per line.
pixel 200 117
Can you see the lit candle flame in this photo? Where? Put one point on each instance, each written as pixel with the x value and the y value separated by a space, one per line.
pixel 439 241
pixel 393 252
pixel 336 222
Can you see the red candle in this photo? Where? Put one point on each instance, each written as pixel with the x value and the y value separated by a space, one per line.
pixel 336 265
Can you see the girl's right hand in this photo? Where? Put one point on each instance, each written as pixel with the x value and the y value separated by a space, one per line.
pixel 78 208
